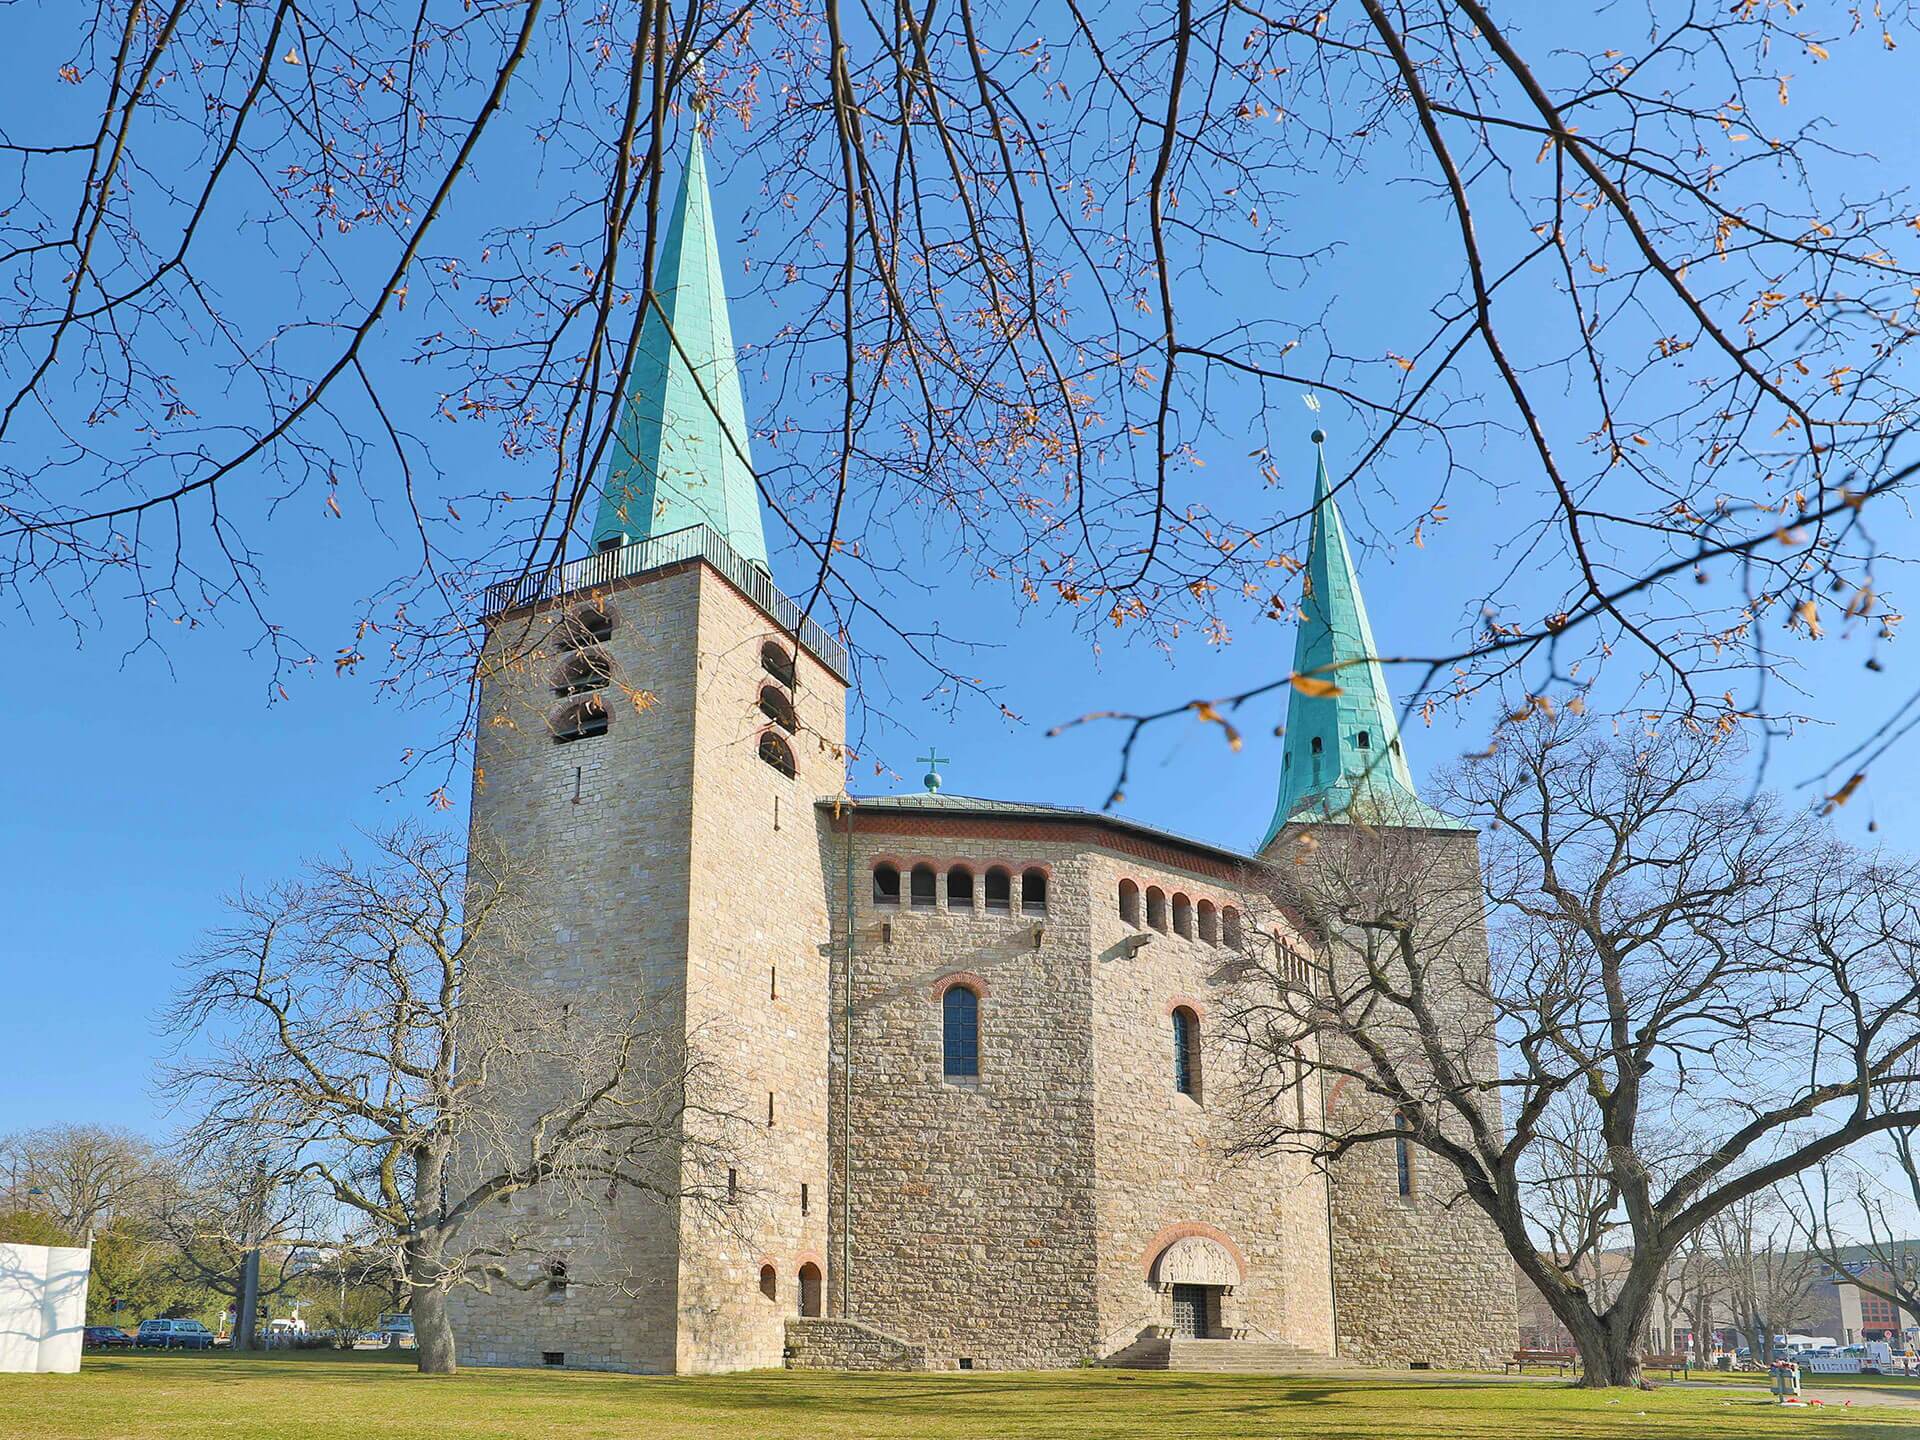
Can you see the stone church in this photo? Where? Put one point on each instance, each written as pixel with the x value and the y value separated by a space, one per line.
pixel 972 1045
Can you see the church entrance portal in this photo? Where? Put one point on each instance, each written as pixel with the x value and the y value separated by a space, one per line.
pixel 1190 1311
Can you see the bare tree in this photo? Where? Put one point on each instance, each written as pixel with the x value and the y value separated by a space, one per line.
pixel 364 1026
pixel 1769 1283
pixel 1722 990
pixel 235 1226
pixel 1858 1211
pixel 1653 338
pixel 82 1175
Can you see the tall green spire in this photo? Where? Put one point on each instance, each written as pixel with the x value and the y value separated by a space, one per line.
pixel 682 455
pixel 1343 760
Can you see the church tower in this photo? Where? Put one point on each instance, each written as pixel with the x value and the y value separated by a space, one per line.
pixel 1419 1274
pixel 656 722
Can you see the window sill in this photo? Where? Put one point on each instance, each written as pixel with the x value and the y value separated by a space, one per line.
pixel 961 1082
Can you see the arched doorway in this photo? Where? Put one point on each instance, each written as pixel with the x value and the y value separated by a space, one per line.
pixel 810 1290
pixel 1196 1273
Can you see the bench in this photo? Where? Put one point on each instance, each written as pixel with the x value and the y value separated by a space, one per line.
pixel 1561 1360
pixel 1681 1365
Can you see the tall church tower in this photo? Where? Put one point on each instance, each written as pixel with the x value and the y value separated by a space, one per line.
pixel 656 722
pixel 1419 1274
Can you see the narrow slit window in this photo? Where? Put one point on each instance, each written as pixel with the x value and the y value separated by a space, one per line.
pixel 1403 1156
pixel 1186 1052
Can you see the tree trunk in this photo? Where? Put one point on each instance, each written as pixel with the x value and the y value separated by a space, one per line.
pixel 432 1327
pixel 1609 1350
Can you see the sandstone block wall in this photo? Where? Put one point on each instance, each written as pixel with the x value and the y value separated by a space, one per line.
pixel 971 1203
pixel 1426 1277
pixel 849 1345
pixel 1162 1162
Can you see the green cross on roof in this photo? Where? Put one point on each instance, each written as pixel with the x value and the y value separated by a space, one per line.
pixel 933 760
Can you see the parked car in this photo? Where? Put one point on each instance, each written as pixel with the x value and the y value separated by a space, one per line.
pixel 173 1335
pixel 106 1337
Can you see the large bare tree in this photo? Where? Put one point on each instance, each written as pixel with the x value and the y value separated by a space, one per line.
pixel 1710 993
pixel 1046 295
pixel 365 1026
pixel 83 1176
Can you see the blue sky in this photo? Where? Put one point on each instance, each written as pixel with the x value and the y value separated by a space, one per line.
pixel 146 782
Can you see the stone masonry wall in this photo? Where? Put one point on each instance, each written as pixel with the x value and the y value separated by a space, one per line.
pixel 971 1202
pixel 1423 1278
pixel 1162 1163
pixel 602 825
pixel 848 1345
pixel 756 988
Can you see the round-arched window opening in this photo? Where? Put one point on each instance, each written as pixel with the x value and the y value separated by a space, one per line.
pixel 886 885
pixel 1186 1052
pixel 588 625
pixel 1033 892
pixel 1129 902
pixel 777 753
pixel 582 672
pixel 1230 926
pixel 769 1282
pixel 923 888
pixel 960 888
pixel 580 719
pixel 1316 744
pixel 1000 888
pixel 1157 908
pixel 1209 919
pixel 1183 917
pixel 777 706
pixel 810 1290
pixel 960 1033
pixel 777 660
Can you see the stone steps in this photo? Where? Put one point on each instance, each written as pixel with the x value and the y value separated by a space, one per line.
pixel 1226 1357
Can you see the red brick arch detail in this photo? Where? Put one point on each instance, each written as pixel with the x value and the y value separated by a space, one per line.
pixel 1187 1002
pixel 1172 1233
pixel 805 1257
pixel 967 978
pixel 1333 1095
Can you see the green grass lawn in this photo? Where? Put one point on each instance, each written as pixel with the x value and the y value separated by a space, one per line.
pixel 372 1397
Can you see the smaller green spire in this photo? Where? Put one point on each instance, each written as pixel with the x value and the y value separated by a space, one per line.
pixel 682 455
pixel 1343 759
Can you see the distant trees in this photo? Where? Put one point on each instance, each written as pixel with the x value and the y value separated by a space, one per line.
pixel 1697 996
pixel 367 1027
pixel 80 1176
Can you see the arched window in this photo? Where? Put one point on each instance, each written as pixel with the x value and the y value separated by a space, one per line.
pixel 999 888
pixel 960 1033
pixel 1209 922
pixel 777 661
pixel 777 706
pixel 1157 908
pixel 1129 902
pixel 886 885
pixel 1316 744
pixel 769 1282
pixel 581 672
pixel 960 888
pixel 1186 1052
pixel 1033 892
pixel 589 625
pixel 579 720
pixel 921 888
pixel 1230 926
pixel 557 1279
pixel 1403 1155
pixel 777 753
pixel 1183 917
pixel 1363 741
pixel 810 1290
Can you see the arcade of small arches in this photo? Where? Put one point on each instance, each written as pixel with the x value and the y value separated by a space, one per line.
pixel 1000 888
pixel 807 1297
pixel 1181 915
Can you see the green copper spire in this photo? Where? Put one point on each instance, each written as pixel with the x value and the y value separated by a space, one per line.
pixel 682 455
pixel 1343 758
